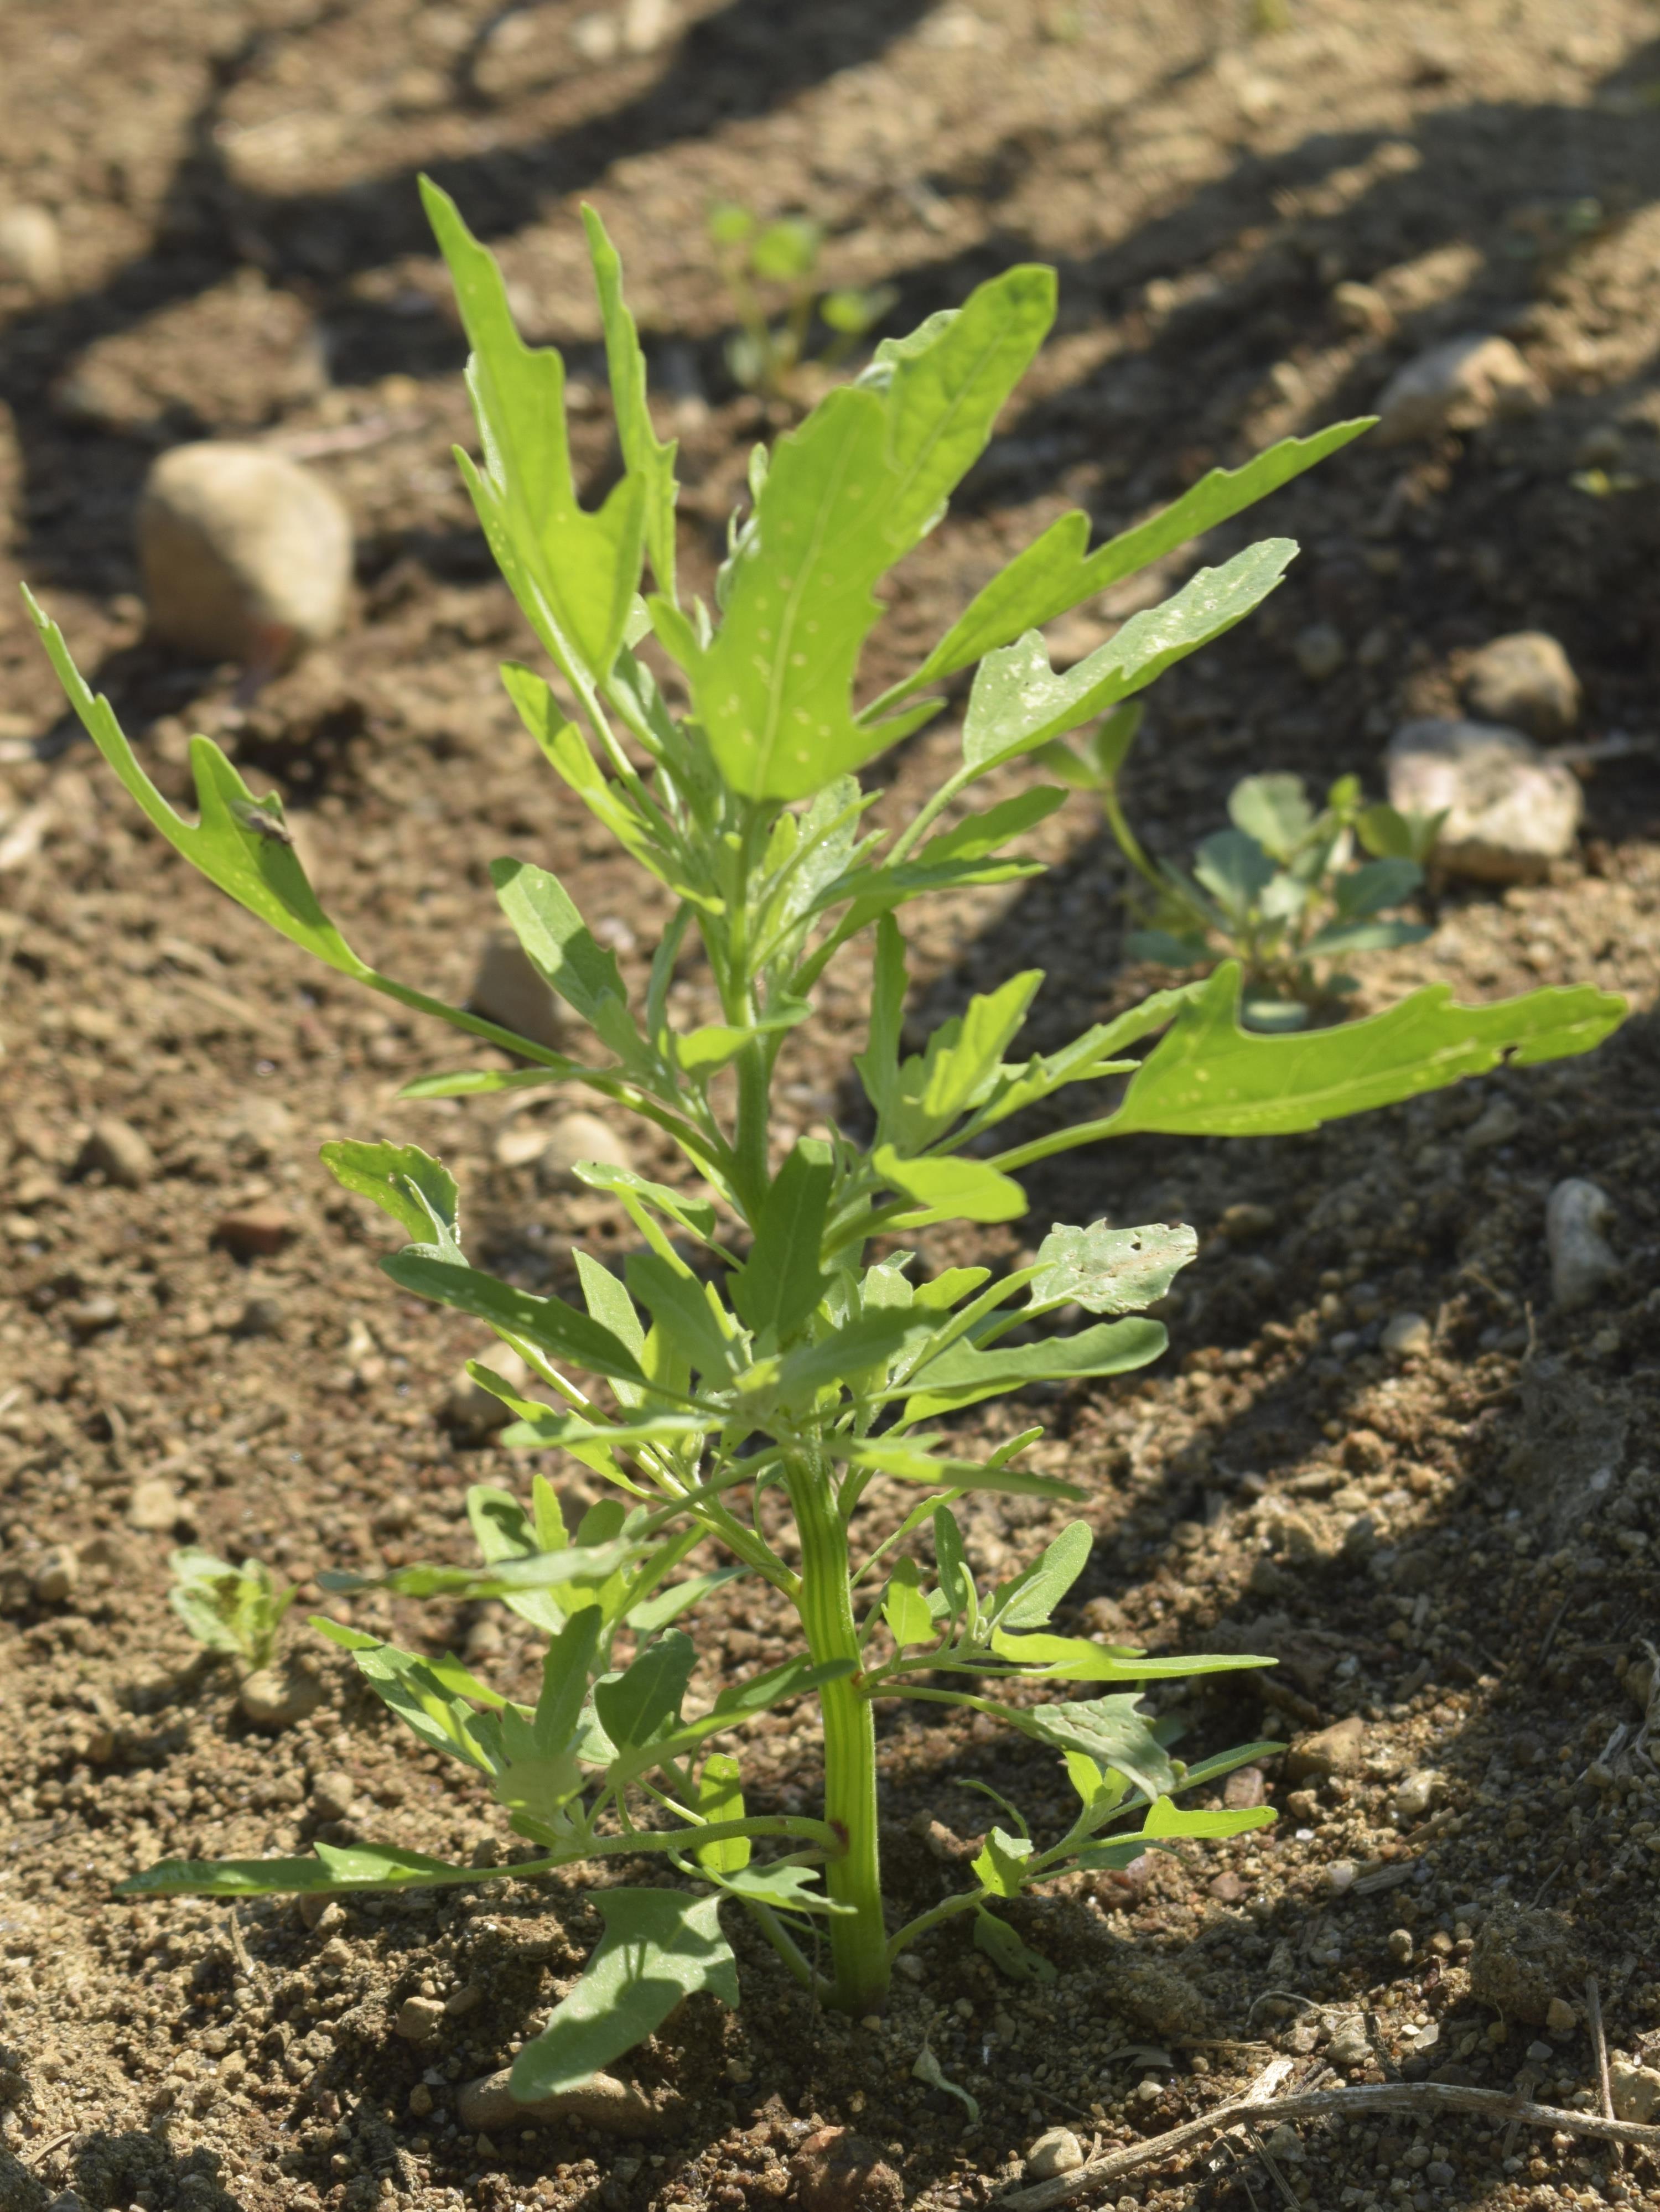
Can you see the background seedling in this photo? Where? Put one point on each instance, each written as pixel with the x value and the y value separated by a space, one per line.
pixel 771 271
pixel 1279 891
pixel 236 1610
pixel 770 1350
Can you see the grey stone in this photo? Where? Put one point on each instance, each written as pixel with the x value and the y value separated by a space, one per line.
pixel 246 555
pixel 1457 385
pixel 574 1140
pixel 1510 811
pixel 1583 1263
pixel 507 989
pixel 1499 1123
pixel 1413 1796
pixel 1350 2044
pixel 1526 681
pixel 1320 652
pixel 32 248
pixel 117 1150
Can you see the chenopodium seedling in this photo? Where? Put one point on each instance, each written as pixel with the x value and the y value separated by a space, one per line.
pixel 755 1390
pixel 236 1610
pixel 781 258
pixel 1279 892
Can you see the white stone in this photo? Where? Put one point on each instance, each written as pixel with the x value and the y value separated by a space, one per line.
pixel 1405 1334
pixel 1455 386
pixel 246 555
pixel 574 1140
pixel 1510 811
pixel 1582 1260
pixel 1526 681
pixel 1057 2150
pixel 519 1144
pixel 154 1506
pixel 32 248
pixel 1413 1796
pixel 508 990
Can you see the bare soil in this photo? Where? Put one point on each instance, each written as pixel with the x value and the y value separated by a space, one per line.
pixel 1456 1546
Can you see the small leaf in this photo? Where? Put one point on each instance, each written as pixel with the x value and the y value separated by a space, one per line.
pixel 1236 871
pixel 927 2069
pixel 547 1322
pixel 1110 1730
pixel 1001 1865
pixel 1273 811
pixel 643 454
pixel 1028 1600
pixel 782 1281
pixel 1007 1953
pixel 404 1181
pixel 659 1947
pixel 720 1799
pixel 637 1705
pixel 908 1613
pixel 950 1189
pixel 1110 1271
pixel 1164 1819
pixel 963 1373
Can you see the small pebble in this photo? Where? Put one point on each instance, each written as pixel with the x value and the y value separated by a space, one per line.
pixel 119 1153
pixel 1583 1263
pixel 1245 1787
pixel 1412 1797
pixel 1341 1875
pixel 154 1506
pixel 91 1317
pixel 1560 2019
pixel 32 248
pixel 1359 307
pixel 421 2101
pixel 260 1317
pixel 574 1140
pixel 254 1232
pixel 519 1144
pixel 478 1411
pixel 1320 652
pixel 418 2019
pixel 1440 2174
pixel 1401 1946
pixel 467 1999
pixel 1527 681
pixel 321 1913
pixel 280 1696
pixel 55 1575
pixel 1334 1750
pixel 1497 1124
pixel 332 1794
pixel 246 555
pixel 1229 1888
pixel 1406 1336
pixel 1244 1221
pixel 1350 2046
pixel 1057 2150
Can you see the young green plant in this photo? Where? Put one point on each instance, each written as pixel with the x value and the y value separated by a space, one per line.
pixel 1277 892
pixel 771 272
pixel 769 1350
pixel 238 1610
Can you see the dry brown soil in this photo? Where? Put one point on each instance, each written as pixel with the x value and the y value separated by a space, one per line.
pixel 1457 1548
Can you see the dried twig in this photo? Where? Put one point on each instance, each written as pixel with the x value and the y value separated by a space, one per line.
pixel 1358 2102
pixel 1599 2044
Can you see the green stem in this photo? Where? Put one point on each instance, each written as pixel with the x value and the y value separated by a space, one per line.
pixel 859 1938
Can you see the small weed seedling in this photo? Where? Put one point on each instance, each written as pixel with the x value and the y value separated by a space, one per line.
pixel 771 272
pixel 235 1610
pixel 1277 892
pixel 756 1366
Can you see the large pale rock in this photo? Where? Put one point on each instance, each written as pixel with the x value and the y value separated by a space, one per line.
pixel 603 2103
pixel 1635 2091
pixel 1510 811
pixel 576 1140
pixel 246 555
pixel 1455 386
pixel 1526 681
pixel 507 989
